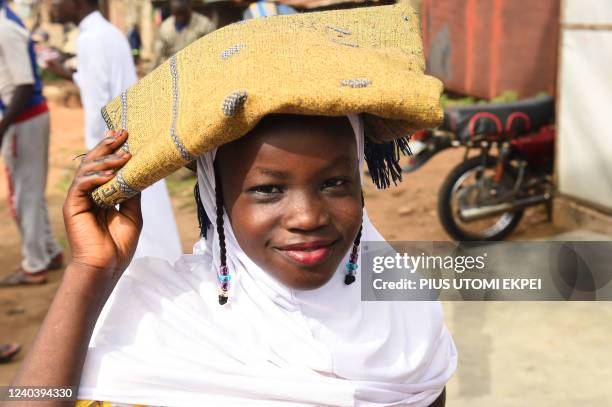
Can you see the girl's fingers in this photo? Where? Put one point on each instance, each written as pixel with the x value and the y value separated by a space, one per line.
pixel 131 208
pixel 78 200
pixel 104 163
pixel 109 144
pixel 96 168
pixel 84 183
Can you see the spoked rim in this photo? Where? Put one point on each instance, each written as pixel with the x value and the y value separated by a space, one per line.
pixel 481 228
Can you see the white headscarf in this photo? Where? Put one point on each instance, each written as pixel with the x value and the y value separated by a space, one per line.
pixel 165 339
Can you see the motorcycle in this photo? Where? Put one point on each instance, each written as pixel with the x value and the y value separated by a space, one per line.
pixel 484 197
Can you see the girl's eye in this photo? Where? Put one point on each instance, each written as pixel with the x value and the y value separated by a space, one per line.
pixel 335 183
pixel 266 189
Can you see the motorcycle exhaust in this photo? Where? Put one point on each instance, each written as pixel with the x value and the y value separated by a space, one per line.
pixel 472 214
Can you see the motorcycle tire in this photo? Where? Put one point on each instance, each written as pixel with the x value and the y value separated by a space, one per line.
pixel 445 208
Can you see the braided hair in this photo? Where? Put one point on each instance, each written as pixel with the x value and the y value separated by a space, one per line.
pixel 351 265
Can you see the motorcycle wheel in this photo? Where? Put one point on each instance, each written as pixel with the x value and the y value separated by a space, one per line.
pixel 496 227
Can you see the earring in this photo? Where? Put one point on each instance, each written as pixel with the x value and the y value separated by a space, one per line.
pixel 223 275
pixel 351 265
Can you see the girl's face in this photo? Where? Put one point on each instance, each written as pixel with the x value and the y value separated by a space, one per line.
pixel 292 191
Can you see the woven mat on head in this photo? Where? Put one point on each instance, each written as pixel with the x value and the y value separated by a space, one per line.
pixel 365 60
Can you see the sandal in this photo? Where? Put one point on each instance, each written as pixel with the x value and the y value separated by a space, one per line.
pixel 22 277
pixel 8 350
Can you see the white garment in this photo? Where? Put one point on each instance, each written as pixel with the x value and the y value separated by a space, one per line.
pixel 105 68
pixel 25 152
pixel 14 58
pixel 167 341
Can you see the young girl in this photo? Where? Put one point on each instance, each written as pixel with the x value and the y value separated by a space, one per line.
pixel 268 312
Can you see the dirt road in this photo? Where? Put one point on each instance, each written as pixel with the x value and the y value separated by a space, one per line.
pixel 511 354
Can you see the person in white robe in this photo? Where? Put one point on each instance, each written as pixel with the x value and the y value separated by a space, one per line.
pixel 105 69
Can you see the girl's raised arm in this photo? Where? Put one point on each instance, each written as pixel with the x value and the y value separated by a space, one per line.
pixel 102 243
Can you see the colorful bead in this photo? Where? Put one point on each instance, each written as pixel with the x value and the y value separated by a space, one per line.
pixel 352 266
pixel 223 278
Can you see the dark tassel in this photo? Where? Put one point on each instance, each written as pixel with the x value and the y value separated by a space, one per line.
pixel 383 160
pixel 203 220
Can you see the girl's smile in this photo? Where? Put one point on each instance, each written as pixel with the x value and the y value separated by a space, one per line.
pixel 292 191
pixel 308 253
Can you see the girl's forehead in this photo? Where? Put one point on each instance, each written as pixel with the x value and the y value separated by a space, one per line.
pixel 283 143
pixel 296 135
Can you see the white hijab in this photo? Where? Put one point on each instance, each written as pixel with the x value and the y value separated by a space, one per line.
pixel 165 340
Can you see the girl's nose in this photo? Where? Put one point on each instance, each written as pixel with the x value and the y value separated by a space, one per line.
pixel 306 212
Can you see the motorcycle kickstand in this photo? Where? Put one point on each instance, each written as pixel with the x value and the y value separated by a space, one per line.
pixel 549 210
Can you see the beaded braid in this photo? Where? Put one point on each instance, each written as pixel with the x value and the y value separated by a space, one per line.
pixel 351 265
pixel 223 274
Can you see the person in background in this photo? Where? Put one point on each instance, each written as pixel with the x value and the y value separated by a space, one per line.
pixel 264 8
pixel 105 68
pixel 182 28
pixel 102 71
pixel 24 137
pixel 135 43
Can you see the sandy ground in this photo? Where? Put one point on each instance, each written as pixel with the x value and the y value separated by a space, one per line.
pixel 511 354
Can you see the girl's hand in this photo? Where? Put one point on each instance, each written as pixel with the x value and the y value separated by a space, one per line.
pixel 102 240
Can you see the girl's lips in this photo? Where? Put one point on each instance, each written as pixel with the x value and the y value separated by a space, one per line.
pixel 308 254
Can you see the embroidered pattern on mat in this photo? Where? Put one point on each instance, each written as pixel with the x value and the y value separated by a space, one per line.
pixel 231 51
pixel 348 44
pixel 175 101
pixel 124 108
pixel 124 186
pixel 356 83
pixel 234 102
pixel 339 30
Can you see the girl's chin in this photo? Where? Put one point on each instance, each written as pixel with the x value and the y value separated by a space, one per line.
pixel 301 277
pixel 307 279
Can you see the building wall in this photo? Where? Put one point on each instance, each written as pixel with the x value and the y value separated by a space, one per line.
pixel 486 47
pixel 584 152
pixel 125 13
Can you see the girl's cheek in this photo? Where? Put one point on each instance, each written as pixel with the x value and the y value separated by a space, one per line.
pixel 349 218
pixel 346 209
pixel 254 222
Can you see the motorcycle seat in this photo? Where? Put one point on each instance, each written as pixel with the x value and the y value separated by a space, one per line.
pixel 515 118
